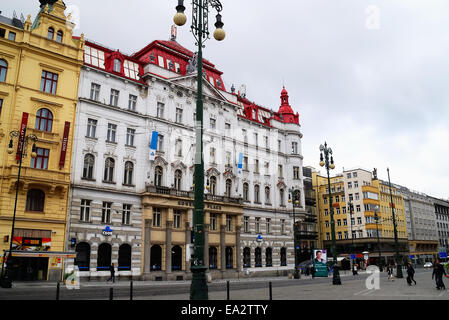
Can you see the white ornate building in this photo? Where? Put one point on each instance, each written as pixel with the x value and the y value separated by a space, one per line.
pixel 148 204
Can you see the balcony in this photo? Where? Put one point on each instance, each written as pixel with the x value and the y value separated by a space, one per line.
pixel 310 194
pixel 190 194
pixel 306 235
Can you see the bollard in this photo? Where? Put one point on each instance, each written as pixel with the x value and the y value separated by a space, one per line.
pixel 57 291
pixel 111 293
pixel 131 291
pixel 271 291
pixel 227 289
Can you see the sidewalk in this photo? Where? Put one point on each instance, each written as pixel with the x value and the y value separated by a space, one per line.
pixel 126 283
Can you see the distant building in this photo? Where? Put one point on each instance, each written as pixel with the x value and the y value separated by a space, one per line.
pixel 442 221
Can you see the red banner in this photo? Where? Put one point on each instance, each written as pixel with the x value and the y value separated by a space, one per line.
pixel 23 129
pixel 65 141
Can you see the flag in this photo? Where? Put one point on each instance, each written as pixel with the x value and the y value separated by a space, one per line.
pixel 153 145
pixel 240 165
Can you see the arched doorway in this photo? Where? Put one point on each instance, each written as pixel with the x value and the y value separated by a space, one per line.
pixel 155 258
pixel 247 257
pixel 82 259
pixel 269 257
pixel 258 257
pixel 229 258
pixel 212 258
pixel 283 257
pixel 104 257
pixel 124 257
pixel 176 258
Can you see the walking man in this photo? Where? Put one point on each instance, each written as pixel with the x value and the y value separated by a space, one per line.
pixel 438 271
pixel 390 272
pixel 410 274
pixel 111 268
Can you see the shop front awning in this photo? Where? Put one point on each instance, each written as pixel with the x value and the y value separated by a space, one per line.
pixel 42 254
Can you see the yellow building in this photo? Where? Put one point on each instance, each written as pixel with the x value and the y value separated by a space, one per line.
pixel 356 229
pixel 40 65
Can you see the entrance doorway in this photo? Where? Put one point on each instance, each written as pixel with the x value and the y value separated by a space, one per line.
pixel 29 269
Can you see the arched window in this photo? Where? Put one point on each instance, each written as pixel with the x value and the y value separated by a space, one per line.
pixel 51 33
pixel 104 257
pixel 178 179
pixel 88 170
pixel 213 185
pixel 281 196
pixel 158 176
pixel 3 70
pixel 59 36
pixel 117 65
pixel 283 257
pixel 247 257
pixel 124 257
pixel 245 192
pixel 256 194
pixel 267 195
pixel 156 258
pixel 128 178
pixel 109 170
pixel 176 258
pixel 212 258
pixel 228 188
pixel 229 258
pixel 82 259
pixel 35 200
pixel 269 257
pixel 258 257
pixel 44 120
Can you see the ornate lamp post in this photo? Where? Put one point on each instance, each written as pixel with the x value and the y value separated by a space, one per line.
pixel 324 162
pixel 295 202
pixel 200 30
pixel 6 281
pixel 351 211
pixel 377 218
pixel 396 244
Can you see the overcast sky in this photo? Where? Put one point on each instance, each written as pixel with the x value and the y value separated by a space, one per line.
pixel 369 77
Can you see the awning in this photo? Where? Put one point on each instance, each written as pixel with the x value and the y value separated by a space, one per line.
pixel 43 254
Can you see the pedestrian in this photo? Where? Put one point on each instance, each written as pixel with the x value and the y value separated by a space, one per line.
pixel 410 274
pixel 111 268
pixel 354 269
pixel 390 273
pixel 438 271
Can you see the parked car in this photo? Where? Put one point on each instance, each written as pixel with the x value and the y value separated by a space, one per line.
pixel 428 265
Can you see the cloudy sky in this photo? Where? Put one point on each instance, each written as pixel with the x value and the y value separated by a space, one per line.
pixel 368 77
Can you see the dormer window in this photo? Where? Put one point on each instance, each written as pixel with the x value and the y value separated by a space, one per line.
pixel 51 33
pixel 117 65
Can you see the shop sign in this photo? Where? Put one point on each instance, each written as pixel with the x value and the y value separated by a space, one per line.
pixel 107 231
pixel 31 244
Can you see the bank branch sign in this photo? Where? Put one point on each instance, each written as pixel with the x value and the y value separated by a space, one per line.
pixel 320 263
pixel 107 231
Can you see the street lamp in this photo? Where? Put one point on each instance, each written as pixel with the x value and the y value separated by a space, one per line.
pixel 200 30
pixel 377 218
pixel 324 162
pixel 396 244
pixel 6 280
pixel 351 211
pixel 293 197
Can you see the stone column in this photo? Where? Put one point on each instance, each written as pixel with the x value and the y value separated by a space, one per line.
pixel 168 246
pixel 223 247
pixel 206 246
pixel 147 246
pixel 237 248
pixel 188 237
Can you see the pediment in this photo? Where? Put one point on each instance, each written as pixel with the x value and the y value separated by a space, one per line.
pixel 212 172
pixel 178 164
pixel 190 82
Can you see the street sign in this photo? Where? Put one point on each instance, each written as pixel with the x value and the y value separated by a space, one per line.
pixel 443 255
pixel 353 256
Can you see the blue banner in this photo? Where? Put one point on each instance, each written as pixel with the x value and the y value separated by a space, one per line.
pixel 240 166
pixel 153 145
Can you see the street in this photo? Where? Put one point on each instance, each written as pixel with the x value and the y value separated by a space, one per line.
pixel 352 288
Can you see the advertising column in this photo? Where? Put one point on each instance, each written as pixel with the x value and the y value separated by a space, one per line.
pixel 320 263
